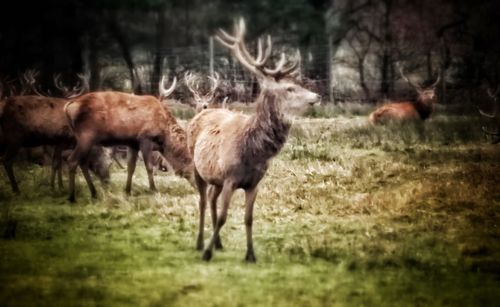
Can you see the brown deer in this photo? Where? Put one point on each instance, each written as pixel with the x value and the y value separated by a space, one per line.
pixel 493 117
pixel 36 120
pixel 139 122
pixel 232 150
pixel 404 111
pixel 33 121
pixel 201 101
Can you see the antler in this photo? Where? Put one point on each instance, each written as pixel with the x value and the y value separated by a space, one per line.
pixel 10 84
pixel 418 86
pixel 192 82
pixel 164 92
pixel 494 94
pixel 414 85
pixel 495 116
pixel 81 87
pixel 28 82
pixel 215 79
pixel 437 80
pixel 237 45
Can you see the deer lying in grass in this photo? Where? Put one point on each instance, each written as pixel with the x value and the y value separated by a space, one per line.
pixel 404 111
pixel 232 150
pixel 139 122
pixel 494 117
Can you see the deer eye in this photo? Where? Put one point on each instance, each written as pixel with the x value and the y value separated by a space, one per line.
pixel 290 89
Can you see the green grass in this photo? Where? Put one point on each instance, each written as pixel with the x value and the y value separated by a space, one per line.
pixel 348 214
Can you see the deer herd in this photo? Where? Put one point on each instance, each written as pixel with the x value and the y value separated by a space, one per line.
pixel 218 152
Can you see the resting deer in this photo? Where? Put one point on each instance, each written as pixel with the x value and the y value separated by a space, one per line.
pixel 403 111
pixel 232 150
pixel 494 117
pixel 139 122
pixel 201 101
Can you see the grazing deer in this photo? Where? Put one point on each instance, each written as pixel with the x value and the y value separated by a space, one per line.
pixel 404 111
pixel 494 117
pixel 232 150
pixel 201 101
pixel 139 122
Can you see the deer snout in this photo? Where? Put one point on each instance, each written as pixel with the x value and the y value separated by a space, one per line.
pixel 315 100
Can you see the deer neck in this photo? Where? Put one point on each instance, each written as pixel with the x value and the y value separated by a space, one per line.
pixel 175 150
pixel 424 107
pixel 268 129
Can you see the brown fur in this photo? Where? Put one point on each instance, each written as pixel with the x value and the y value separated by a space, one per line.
pixel 33 121
pixel 140 122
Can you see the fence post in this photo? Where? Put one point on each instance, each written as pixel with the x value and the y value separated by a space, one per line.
pixel 330 69
pixel 211 55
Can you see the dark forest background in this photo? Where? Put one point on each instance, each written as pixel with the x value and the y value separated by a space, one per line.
pixel 349 47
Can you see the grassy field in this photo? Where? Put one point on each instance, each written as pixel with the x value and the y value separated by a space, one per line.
pixel 347 215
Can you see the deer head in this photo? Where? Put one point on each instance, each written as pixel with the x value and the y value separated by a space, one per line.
pixel 201 101
pixel 82 86
pixel 425 94
pixel 281 79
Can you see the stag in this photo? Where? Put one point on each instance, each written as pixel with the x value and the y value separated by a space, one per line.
pixel 404 111
pixel 233 150
pixel 493 117
pixel 201 101
pixel 34 121
pixel 139 122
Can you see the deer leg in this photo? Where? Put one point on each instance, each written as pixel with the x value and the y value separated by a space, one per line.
pixel 131 162
pixel 146 149
pixel 8 161
pixel 84 165
pixel 59 175
pixel 250 196
pixel 227 193
pixel 56 167
pixel 213 194
pixel 79 154
pixel 202 189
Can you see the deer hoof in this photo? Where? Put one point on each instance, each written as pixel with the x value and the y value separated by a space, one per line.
pixel 218 245
pixel 207 255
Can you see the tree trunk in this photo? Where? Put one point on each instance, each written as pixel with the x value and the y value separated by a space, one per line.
pixel 387 51
pixel 95 81
pixel 124 45
pixel 160 46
